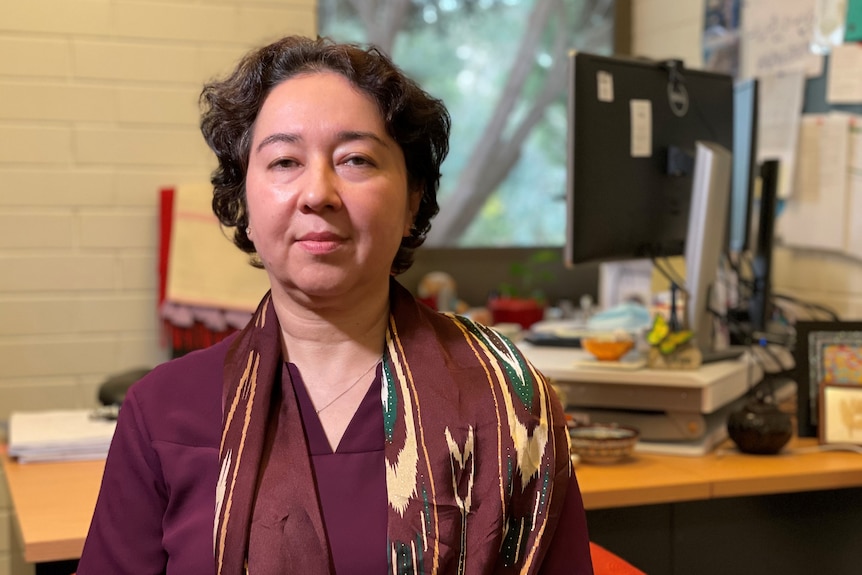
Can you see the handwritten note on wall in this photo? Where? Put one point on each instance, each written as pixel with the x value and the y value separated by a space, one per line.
pixel 820 213
pixel 780 105
pixel 853 243
pixel 844 84
pixel 776 37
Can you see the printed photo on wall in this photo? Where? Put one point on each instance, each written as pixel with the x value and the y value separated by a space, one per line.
pixel 827 352
pixel 841 414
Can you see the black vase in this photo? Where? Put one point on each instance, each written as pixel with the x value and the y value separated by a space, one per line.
pixel 759 427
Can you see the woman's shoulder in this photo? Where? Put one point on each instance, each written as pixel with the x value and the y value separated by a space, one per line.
pixel 184 391
pixel 194 370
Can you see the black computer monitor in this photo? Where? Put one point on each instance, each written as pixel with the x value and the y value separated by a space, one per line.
pixel 633 125
pixel 760 304
pixel 745 166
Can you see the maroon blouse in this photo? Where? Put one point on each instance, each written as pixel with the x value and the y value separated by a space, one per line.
pixel 351 489
pixel 156 508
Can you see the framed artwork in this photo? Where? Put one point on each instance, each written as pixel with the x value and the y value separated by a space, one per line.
pixel 840 413
pixel 827 352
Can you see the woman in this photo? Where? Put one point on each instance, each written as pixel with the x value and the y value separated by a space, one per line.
pixel 347 428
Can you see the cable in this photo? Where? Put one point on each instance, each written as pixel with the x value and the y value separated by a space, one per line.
pixel 809 305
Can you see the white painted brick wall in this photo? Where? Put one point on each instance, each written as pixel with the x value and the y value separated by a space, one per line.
pixel 672 28
pixel 32 57
pixel 98 111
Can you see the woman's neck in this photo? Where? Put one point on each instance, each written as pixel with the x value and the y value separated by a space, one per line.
pixel 335 349
pixel 337 334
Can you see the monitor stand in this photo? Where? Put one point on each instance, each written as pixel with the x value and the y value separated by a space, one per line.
pixel 599 384
pixel 715 433
pixel 666 432
pixel 653 425
pixel 662 401
pixel 705 238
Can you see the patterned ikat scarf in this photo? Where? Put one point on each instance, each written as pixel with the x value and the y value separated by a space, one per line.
pixel 477 453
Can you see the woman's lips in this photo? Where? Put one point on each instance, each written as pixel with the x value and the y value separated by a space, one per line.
pixel 319 243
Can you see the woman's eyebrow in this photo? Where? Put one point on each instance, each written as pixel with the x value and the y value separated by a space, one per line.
pixel 350 135
pixel 278 137
pixel 343 136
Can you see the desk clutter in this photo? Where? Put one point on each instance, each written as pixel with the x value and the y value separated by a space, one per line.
pixel 60 435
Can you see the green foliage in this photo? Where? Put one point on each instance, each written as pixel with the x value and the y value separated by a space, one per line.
pixel 462 51
pixel 527 277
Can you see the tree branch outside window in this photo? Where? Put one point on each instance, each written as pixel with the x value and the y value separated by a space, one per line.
pixel 501 68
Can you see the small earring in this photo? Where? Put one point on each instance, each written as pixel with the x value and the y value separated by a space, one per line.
pixel 248 230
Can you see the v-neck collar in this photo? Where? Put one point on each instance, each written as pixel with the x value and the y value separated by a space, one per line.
pixel 364 433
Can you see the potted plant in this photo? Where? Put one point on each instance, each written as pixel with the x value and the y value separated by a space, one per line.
pixel 520 300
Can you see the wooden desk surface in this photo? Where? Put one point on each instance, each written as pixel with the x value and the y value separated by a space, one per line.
pixel 53 504
pixel 648 478
pixel 54 501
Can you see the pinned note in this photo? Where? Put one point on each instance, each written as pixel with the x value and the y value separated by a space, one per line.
pixel 844 81
pixel 641 128
pixel 815 217
pixel 777 36
pixel 780 103
pixel 605 85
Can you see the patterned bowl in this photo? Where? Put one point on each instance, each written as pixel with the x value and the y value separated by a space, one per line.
pixel 603 443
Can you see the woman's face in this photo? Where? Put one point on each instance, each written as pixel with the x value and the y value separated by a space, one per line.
pixel 326 189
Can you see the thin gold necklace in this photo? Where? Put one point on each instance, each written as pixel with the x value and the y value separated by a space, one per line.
pixel 349 387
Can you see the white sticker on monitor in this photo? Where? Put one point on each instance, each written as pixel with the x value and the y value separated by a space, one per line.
pixel 641 126
pixel 605 83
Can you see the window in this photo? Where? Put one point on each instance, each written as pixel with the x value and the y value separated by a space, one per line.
pixel 501 68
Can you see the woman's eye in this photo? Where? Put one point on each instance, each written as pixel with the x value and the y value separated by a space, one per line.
pixel 358 161
pixel 283 163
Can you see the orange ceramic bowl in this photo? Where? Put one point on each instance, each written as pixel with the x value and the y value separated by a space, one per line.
pixel 607 349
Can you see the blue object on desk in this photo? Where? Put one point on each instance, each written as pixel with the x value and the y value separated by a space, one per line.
pixel 628 316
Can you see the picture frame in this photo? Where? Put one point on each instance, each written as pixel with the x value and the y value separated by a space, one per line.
pixel 840 413
pixel 826 352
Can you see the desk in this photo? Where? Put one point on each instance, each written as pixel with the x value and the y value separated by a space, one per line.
pixel 650 479
pixel 54 501
pixel 727 512
pixel 53 504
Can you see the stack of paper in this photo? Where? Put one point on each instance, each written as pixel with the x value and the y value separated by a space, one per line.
pixel 66 435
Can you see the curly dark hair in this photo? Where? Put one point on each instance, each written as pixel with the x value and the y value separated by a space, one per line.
pixel 418 122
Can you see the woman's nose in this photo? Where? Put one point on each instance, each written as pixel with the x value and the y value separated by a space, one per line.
pixel 320 188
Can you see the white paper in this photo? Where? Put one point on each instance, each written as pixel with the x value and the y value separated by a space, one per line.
pixel 780 99
pixel 777 36
pixel 204 267
pixel 641 128
pixel 844 80
pixel 59 435
pixel 624 281
pixel 605 86
pixel 815 217
pixel 853 223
